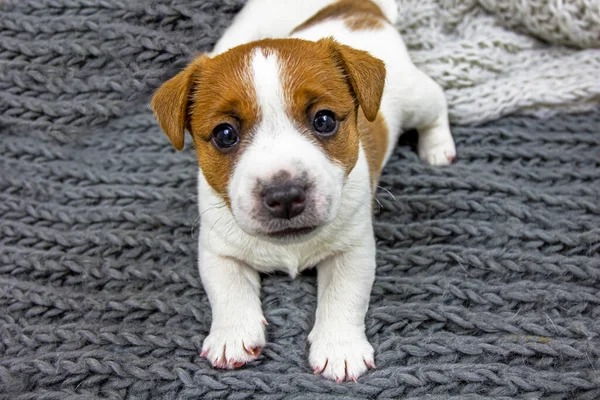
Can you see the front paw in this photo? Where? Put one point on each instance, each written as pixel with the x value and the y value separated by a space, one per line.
pixel 340 354
pixel 233 345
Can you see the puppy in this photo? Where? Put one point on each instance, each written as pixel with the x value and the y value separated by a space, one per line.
pixel 293 115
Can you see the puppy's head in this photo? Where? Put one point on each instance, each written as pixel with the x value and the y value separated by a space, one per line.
pixel 274 124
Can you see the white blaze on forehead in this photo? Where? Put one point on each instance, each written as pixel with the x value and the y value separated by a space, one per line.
pixel 267 83
pixel 277 144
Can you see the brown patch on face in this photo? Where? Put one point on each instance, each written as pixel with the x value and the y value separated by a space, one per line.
pixel 224 94
pixel 207 93
pixel 312 82
pixel 374 138
pixel 357 15
pixel 326 75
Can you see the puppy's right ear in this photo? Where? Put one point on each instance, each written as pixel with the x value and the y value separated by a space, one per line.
pixel 170 102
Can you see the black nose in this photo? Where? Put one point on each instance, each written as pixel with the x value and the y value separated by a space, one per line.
pixel 284 201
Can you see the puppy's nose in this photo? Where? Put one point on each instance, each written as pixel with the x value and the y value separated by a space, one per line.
pixel 284 201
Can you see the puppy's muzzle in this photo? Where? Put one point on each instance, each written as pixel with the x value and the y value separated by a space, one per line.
pixel 284 201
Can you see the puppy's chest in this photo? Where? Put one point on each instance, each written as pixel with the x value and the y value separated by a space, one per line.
pixel 292 259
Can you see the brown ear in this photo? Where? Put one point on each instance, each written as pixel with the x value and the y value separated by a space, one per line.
pixel 170 102
pixel 365 73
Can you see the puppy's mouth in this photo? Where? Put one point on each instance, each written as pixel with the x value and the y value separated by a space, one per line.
pixel 291 233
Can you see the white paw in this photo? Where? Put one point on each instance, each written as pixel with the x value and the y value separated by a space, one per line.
pixel 437 152
pixel 231 346
pixel 341 354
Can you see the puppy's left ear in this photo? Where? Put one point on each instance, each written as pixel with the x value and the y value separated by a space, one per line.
pixel 170 102
pixel 365 73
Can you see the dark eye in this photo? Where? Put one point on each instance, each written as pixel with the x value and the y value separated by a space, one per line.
pixel 325 123
pixel 225 137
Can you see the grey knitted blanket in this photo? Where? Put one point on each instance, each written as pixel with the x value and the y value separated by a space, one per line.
pixel 488 279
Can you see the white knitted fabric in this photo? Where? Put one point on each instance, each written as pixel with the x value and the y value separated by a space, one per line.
pixel 498 57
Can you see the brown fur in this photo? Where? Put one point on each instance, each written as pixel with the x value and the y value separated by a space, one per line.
pixel 170 102
pixel 327 75
pixel 374 138
pixel 365 73
pixel 186 102
pixel 227 97
pixel 363 22
pixel 357 15
pixel 310 82
pixel 313 83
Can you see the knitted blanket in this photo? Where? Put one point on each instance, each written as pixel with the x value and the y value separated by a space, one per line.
pixel 488 270
pixel 498 57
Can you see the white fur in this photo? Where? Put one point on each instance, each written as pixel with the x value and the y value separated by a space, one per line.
pixel 344 252
pixel 278 146
pixel 263 19
pixel 343 249
pixel 233 290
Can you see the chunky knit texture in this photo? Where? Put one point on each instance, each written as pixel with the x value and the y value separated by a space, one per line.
pixel 490 70
pixel 488 270
pixel 66 64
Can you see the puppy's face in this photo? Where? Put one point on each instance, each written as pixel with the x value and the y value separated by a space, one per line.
pixel 274 123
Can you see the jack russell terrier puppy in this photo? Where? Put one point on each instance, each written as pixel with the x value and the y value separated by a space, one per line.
pixel 293 115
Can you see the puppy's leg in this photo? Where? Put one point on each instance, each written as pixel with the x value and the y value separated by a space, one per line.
pixel 237 333
pixel 339 348
pixel 436 145
pixel 428 113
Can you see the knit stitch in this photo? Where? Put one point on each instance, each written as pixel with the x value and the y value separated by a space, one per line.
pixel 487 271
pixel 489 70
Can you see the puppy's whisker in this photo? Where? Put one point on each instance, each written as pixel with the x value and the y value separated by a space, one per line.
pixel 355 186
pixel 379 205
pixel 357 201
pixel 388 192
pixel 196 221
pixel 231 226
pixel 211 228
pixel 363 190
pixel 194 197
pixel 358 187
pixel 215 207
